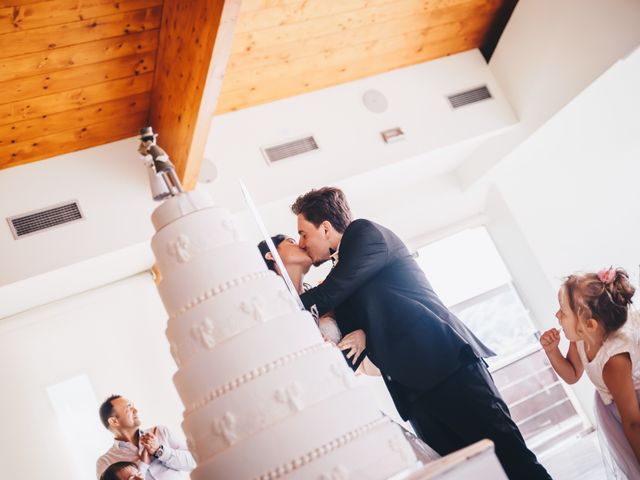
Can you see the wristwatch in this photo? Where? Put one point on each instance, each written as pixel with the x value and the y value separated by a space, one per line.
pixel 158 453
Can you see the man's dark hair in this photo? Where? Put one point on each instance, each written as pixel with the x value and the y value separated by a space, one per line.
pixel 326 203
pixel 264 249
pixel 111 473
pixel 106 410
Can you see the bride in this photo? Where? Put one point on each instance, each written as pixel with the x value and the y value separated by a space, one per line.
pixel 298 263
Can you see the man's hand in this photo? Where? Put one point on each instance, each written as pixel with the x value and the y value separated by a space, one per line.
pixel 356 342
pixel 550 340
pixel 150 442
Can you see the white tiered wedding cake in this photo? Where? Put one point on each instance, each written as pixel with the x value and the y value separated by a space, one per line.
pixel 264 396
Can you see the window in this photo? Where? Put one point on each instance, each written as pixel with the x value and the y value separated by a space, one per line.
pixel 470 277
pixel 76 408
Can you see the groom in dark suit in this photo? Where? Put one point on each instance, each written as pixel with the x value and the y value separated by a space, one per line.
pixel 431 362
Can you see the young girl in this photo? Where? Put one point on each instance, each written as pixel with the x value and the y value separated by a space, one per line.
pixel 604 340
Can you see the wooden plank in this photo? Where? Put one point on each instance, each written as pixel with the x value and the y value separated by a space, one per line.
pixel 71 140
pixel 83 76
pixel 59 102
pixel 348 21
pixel 18 3
pixel 310 10
pixel 48 38
pixel 358 64
pixel 73 119
pixel 439 26
pixel 43 14
pixel 81 54
pixel 248 5
pixel 408 43
pixel 251 20
pixel 195 42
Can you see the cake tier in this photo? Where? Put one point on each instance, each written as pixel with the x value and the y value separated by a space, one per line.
pixel 280 339
pixel 179 206
pixel 178 243
pixel 292 438
pixel 228 313
pixel 267 399
pixel 375 451
pixel 210 272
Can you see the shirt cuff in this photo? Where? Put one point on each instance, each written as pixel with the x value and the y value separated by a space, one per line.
pixel 142 468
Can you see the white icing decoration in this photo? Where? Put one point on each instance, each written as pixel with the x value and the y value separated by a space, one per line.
pixel 287 299
pixel 290 395
pixel 342 371
pixel 230 226
pixel 203 333
pixel 217 290
pixel 399 445
pixel 261 419
pixel 173 348
pixel 181 248
pixel 255 373
pixel 338 473
pixel 322 450
pixel 254 308
pixel 226 428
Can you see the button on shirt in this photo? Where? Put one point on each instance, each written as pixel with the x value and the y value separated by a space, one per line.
pixel 174 463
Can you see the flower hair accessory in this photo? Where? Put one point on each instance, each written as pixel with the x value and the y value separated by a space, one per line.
pixel 607 275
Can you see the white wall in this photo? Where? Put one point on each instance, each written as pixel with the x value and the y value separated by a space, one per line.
pixel 111 186
pixel 348 134
pixel 115 335
pixel 548 53
pixel 572 190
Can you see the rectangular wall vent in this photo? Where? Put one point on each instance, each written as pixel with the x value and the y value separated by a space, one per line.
pixel 470 96
pixel 290 149
pixel 44 219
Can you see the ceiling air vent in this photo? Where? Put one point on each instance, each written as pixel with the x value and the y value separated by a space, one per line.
pixel 470 96
pixel 44 219
pixel 289 149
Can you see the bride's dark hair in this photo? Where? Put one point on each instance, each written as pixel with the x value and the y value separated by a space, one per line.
pixel 264 249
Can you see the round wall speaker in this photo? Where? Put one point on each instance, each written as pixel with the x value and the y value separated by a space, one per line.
pixel 375 101
pixel 208 171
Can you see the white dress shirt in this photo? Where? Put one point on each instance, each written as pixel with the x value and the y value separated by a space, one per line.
pixel 174 463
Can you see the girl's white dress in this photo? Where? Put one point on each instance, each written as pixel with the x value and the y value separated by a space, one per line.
pixel 619 459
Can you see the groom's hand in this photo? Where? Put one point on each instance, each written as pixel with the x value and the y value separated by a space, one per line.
pixel 355 342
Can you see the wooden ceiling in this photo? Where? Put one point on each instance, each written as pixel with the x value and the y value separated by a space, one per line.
pixel 73 74
pixel 80 73
pixel 283 48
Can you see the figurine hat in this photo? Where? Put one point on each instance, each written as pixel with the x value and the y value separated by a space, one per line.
pixel 147 132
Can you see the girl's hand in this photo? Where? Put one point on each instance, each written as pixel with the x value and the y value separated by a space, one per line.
pixel 356 342
pixel 550 340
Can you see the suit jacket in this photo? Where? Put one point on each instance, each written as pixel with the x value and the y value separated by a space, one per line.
pixel 377 286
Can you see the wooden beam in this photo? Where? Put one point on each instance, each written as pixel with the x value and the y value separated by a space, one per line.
pixel 194 47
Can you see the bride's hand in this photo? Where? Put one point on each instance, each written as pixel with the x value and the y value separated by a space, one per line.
pixel 356 342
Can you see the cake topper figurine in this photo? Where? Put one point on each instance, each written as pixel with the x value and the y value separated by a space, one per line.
pixel 162 174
